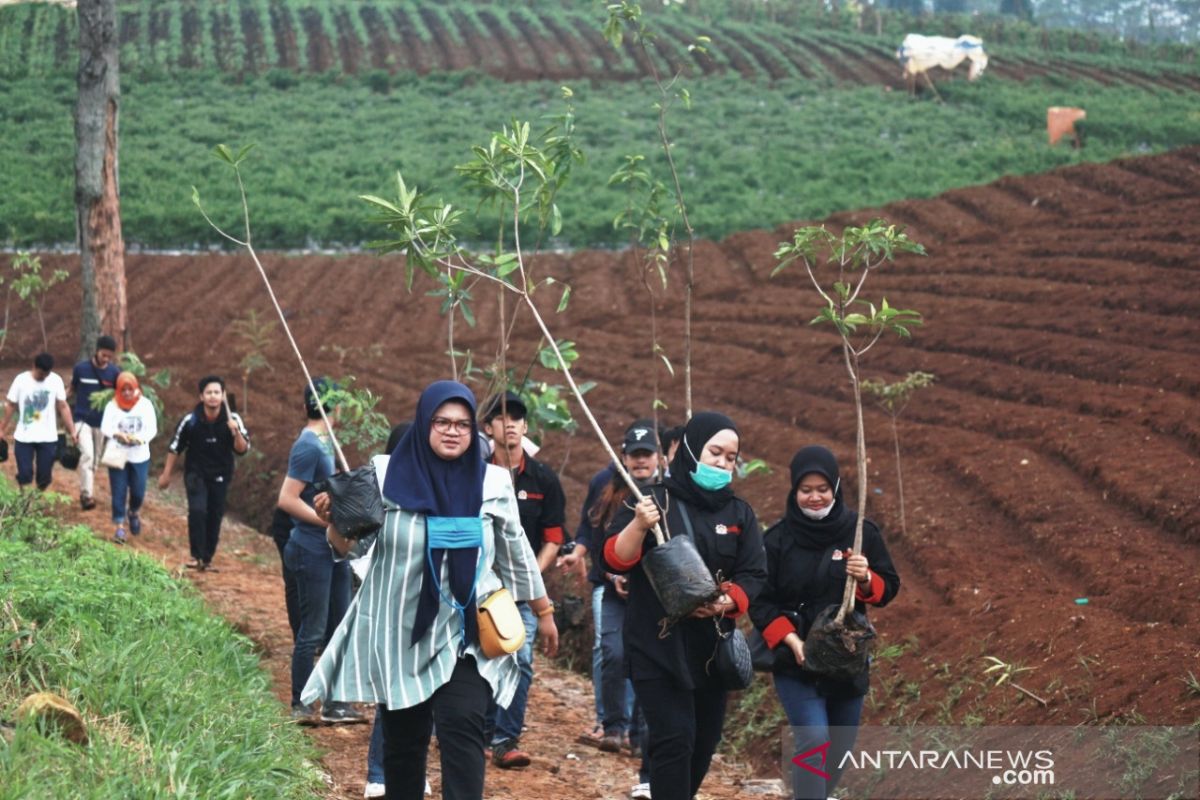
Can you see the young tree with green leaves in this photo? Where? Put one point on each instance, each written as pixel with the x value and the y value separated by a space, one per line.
pixel 521 172
pixel 31 287
pixel 838 267
pixel 893 398
pixel 255 334
pixel 627 17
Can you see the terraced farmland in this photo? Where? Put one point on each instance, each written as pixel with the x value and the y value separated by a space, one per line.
pixel 1057 457
pixel 512 43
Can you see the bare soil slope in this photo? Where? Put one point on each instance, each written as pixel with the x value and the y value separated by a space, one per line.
pixel 1055 460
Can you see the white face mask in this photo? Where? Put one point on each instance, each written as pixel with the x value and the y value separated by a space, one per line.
pixel 819 513
pixel 822 513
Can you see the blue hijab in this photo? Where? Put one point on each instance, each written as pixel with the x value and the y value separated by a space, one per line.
pixel 421 481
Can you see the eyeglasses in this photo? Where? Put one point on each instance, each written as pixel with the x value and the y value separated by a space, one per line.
pixel 444 425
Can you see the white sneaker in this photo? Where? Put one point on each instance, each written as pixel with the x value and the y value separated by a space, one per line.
pixel 428 790
pixel 640 792
pixel 375 790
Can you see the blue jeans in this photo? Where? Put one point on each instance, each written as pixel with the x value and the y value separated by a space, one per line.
pixel 375 748
pixel 816 720
pixel 616 687
pixel 131 481
pixel 323 587
pixel 25 453
pixel 509 721
pixel 597 661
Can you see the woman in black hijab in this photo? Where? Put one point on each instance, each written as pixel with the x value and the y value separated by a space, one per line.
pixel 684 704
pixel 808 559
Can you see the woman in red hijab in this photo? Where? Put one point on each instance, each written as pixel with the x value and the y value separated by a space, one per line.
pixel 128 425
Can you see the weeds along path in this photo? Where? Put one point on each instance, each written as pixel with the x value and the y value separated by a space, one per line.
pixel 246 590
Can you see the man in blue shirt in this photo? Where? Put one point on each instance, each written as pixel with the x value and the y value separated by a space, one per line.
pixel 322 585
pixel 90 376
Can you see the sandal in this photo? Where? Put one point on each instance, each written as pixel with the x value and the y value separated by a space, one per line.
pixel 119 536
pixel 194 563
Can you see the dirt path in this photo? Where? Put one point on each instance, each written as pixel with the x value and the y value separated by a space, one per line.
pixel 246 589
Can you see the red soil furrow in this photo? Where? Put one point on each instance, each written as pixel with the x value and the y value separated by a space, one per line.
pixel 480 52
pixel 768 62
pixel 508 52
pixel 876 69
pixel 1180 173
pixel 602 50
pixel 192 35
pixel 1051 354
pixel 253 47
pixel 379 45
pixel 694 62
pixel 842 71
pixel 789 52
pixel 220 25
pixel 286 51
pixel 453 56
pixel 319 55
pixel 349 48
pixel 569 48
pixel 421 56
pixel 544 62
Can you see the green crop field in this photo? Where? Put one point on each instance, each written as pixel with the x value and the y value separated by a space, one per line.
pixel 785 123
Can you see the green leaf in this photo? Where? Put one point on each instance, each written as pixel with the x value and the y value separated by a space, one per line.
pixel 467 315
pixel 562 301
pixel 223 152
pixel 196 197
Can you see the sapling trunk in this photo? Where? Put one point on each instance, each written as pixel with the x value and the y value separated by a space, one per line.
pixel 341 457
pixel 899 477
pixel 860 452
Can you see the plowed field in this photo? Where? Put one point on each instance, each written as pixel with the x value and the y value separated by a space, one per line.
pixel 1054 462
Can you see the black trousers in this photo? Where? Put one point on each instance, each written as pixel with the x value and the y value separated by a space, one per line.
pixel 684 729
pixel 291 592
pixel 458 709
pixel 206 507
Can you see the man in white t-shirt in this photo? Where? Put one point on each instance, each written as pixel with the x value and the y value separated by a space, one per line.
pixel 37 397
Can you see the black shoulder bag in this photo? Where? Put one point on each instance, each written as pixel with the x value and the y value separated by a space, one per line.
pixel 730 663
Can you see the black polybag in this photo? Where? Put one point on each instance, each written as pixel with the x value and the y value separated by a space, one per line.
pixel 355 502
pixel 731 663
pixel 679 577
pixel 67 453
pixel 842 651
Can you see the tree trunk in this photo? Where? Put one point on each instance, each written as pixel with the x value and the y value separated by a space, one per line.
pixel 97 192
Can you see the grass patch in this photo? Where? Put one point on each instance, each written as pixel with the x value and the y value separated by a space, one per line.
pixel 176 703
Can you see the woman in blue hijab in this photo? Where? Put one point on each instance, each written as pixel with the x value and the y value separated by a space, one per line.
pixel 451 536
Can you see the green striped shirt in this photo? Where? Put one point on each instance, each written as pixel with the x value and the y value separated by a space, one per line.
pixel 370 660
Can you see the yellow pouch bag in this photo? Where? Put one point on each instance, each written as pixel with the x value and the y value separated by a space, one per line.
pixel 501 629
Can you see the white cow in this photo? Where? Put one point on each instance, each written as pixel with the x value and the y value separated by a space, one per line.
pixel 918 54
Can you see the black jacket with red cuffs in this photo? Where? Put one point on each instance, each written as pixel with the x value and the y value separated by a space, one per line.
pixel 730 542
pixel 540 502
pixel 802 581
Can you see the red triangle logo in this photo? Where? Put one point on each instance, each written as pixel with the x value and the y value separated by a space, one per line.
pixel 823 749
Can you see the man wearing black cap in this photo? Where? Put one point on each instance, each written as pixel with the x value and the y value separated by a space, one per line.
pixel 542 508
pixel 90 376
pixel 606 492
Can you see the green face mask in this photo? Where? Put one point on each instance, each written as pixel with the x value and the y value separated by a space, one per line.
pixel 710 478
pixel 706 476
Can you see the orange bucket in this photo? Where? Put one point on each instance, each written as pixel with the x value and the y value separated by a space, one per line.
pixel 1060 122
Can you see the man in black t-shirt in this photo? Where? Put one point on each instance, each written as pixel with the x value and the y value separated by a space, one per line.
pixel 211 435
pixel 542 508
pixel 93 375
